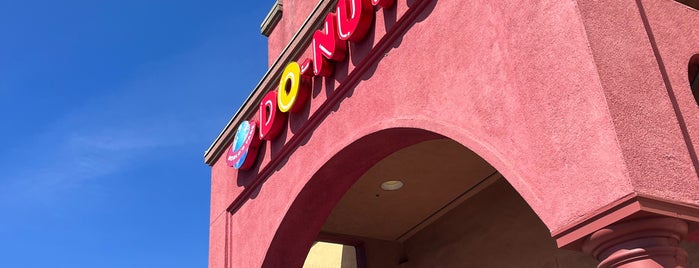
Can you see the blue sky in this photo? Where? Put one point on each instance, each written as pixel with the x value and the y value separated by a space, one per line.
pixel 106 109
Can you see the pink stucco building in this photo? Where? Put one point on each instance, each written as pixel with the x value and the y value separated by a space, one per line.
pixel 479 133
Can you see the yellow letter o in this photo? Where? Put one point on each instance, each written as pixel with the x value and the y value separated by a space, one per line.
pixel 289 87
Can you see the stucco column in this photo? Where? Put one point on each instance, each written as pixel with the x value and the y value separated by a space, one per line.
pixel 641 243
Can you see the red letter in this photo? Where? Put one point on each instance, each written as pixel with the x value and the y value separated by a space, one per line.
pixel 354 19
pixel 326 44
pixel 382 3
pixel 271 119
pixel 307 67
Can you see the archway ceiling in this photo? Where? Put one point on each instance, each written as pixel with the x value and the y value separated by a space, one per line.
pixel 437 175
pixel 691 3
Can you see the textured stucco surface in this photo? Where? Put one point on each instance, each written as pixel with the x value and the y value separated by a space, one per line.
pixel 294 14
pixel 649 132
pixel 564 98
pixel 675 32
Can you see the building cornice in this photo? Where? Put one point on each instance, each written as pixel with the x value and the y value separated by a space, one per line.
pixel 632 206
pixel 272 19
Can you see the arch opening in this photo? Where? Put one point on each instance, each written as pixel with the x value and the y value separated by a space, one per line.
pixel 454 209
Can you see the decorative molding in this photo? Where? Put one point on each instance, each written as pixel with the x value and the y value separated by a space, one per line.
pixel 629 207
pixel 272 19
pixel 639 243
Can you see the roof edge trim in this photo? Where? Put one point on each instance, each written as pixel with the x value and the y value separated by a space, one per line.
pixel 272 19
pixel 293 49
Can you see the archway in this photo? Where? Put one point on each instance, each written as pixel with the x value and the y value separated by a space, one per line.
pixel 454 208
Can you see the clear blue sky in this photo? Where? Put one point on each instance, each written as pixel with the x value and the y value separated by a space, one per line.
pixel 106 109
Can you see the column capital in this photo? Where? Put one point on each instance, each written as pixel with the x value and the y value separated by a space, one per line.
pixel 646 242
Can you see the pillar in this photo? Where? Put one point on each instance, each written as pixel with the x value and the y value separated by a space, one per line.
pixel 640 243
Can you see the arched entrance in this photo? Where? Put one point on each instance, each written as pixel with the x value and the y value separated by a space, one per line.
pixel 453 210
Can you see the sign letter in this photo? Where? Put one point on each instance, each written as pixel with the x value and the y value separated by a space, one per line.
pixel 271 119
pixel 293 89
pixel 354 19
pixel 327 45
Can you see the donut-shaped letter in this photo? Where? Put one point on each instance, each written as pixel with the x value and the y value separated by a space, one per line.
pixel 293 89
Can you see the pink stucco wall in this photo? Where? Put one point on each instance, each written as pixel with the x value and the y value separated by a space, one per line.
pixel 565 98
pixel 677 38
pixel 644 107
pixel 294 14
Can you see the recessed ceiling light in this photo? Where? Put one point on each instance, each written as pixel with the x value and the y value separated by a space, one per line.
pixel 391 185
